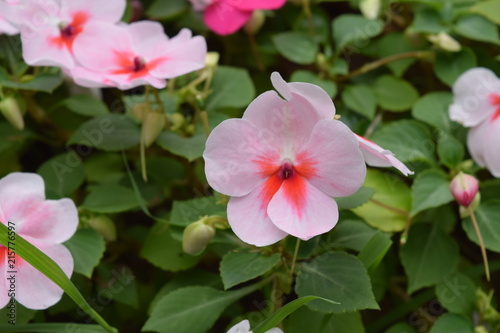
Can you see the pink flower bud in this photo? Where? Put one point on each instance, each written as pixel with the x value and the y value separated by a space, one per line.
pixel 464 188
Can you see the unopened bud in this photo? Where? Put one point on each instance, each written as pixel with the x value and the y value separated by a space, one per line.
pixel 104 225
pixel 152 125
pixel 196 237
pixel 11 110
pixel 370 8
pixel 464 211
pixel 255 23
pixel 139 111
pixel 445 42
pixel 464 188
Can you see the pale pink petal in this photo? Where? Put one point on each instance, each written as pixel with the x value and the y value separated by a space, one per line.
pixel 85 78
pixel 108 11
pixel 256 4
pixel 332 160
pixel 483 142
pixel 477 141
pixel 19 192
pixel 4 284
pixel 377 156
pixel 34 290
pixel 7 28
pixel 301 209
pixel 242 327
pixel 248 217
pixel 148 38
pixel 472 90
pixel 224 19
pixel 236 158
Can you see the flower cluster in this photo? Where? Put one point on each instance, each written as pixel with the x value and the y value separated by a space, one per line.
pixel 88 41
pixel 285 160
pixel 476 105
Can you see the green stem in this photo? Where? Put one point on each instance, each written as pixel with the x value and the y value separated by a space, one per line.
pixel 295 253
pixel 481 243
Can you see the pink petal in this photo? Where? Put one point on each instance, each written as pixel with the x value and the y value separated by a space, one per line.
pixel 477 141
pixel 314 95
pixel 483 142
pixel 4 285
pixel 34 290
pixel 224 19
pixel 248 217
pixel 108 11
pixel 256 4
pixel 377 156
pixel 236 159
pixel 85 78
pixel 332 160
pixel 302 210
pixel 7 28
pixel 148 38
pixel 471 92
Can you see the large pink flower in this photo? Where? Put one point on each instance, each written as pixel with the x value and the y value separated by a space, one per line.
pixel 9 16
pixel 225 17
pixel 49 28
pixel 127 56
pixel 45 224
pixel 282 163
pixel 476 104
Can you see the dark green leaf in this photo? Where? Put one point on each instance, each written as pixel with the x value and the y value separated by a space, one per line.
pixel 87 248
pixel 297 47
pixel 86 105
pixel 374 251
pixel 45 82
pixel 432 109
pixel 63 173
pixel 450 322
pixel 430 189
pixel 478 28
pixel 488 220
pixel 351 234
pixel 231 88
pixel 450 151
pixel 306 320
pixel 448 66
pixel 189 211
pixel 394 94
pixel 110 199
pixel 190 148
pixel 361 99
pixel 457 293
pixel 355 200
pixel 355 30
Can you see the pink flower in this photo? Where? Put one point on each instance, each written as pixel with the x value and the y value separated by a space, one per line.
pixel 282 163
pixel 49 28
pixel 464 188
pixel 225 17
pixel 127 56
pixel 45 224
pixel 8 17
pixel 476 104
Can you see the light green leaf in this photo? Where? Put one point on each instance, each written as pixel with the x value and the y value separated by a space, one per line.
pixel 110 199
pixel 297 47
pixel 450 322
pixel 231 88
pixel 351 234
pixel 50 269
pixel 240 265
pixel 476 27
pixel 87 247
pixel 432 108
pixel 112 132
pixel 450 65
pixel 374 251
pixel 457 294
pixel 361 99
pixel 354 29
pixel 355 200
pixel 428 255
pixel 305 76
pixel 190 148
pixel 85 105
pixel 63 173
pixel 488 220
pixel 306 320
pixel 430 189
pixel 451 152
pixel 394 94
pixel 489 9
pixel 46 82
pixel 189 211
pixel 336 276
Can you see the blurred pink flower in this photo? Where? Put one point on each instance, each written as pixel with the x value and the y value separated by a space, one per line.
pixel 225 17
pixel 8 17
pixel 282 163
pixel 126 56
pixel 49 28
pixel 45 224
pixel 476 104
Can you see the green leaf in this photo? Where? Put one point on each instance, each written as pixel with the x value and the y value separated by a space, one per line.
pixel 305 76
pixel 450 322
pixel 432 108
pixel 351 234
pixel 457 293
pixel 165 252
pixel 409 140
pixel 191 309
pixel 189 211
pixel 401 328
pixel 110 199
pixel 190 148
pixel 428 21
pixel 489 9
pixel 162 10
pixel 306 320
pixel 428 255
pixel 231 88
pixel 361 99
pixel 112 132
pixel 85 105
pixel 63 173
pixel 488 220
pixel 354 29
pixel 355 200
pixel 392 44
pixel 278 316
pixel 374 251
pixel 430 189
pixel 478 28
pixel 450 65
pixel 52 328
pixel 297 47
pixel 394 94
pixel 451 152
pixel 336 276
pixel 50 269
pixel 391 192
pixel 240 265
pixel 45 82
pixel 87 247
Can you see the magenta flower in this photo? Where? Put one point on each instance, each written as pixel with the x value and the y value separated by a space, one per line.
pixel 282 163
pixel 50 28
pixel 126 56
pixel 45 224
pixel 476 104
pixel 225 17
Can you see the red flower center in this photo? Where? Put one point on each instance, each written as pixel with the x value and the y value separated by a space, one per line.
pixel 69 32
pixel 139 64
pixel 286 170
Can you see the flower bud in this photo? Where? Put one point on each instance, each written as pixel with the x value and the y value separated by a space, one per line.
pixel 212 59
pixel 152 125
pixel 370 8
pixel 196 237
pixel 255 23
pixel 445 42
pixel 11 110
pixel 464 188
pixel 104 225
